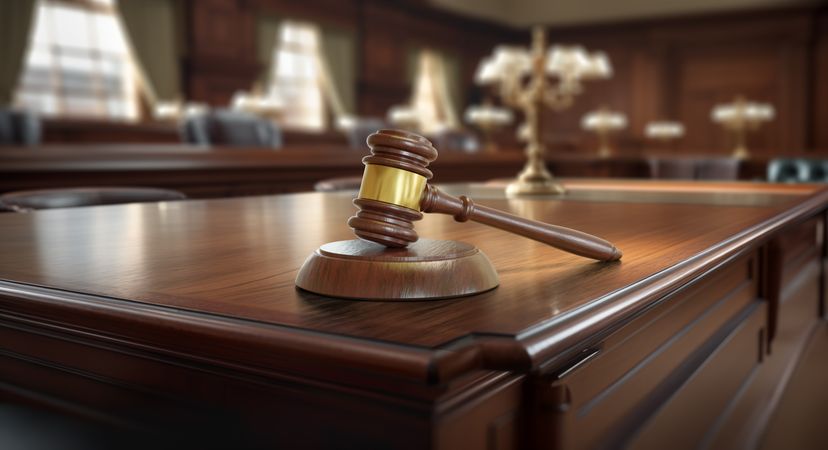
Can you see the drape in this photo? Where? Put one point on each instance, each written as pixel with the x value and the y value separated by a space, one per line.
pixel 339 62
pixel 436 93
pixel 16 18
pixel 151 30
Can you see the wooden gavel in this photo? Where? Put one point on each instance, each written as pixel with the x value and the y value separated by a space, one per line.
pixel 394 191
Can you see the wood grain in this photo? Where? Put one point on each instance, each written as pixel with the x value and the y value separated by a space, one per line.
pixel 238 258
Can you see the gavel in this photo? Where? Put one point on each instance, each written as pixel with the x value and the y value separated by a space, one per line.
pixel 395 192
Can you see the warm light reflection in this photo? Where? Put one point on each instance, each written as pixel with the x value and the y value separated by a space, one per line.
pixel 106 242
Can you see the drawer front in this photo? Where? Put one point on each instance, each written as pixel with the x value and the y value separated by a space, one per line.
pixel 642 364
pixel 682 423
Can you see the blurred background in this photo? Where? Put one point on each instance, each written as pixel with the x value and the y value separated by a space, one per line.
pixel 96 91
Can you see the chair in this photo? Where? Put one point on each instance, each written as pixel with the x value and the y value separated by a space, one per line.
pixel 458 140
pixel 338 184
pixel 817 171
pixel 19 127
pixel 23 201
pixel 718 169
pixel 358 133
pixel 672 168
pixel 230 128
pixel 789 170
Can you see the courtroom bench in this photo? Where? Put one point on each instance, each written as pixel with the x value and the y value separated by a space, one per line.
pixel 689 340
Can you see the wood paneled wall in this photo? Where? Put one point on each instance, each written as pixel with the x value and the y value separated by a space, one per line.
pixel 679 69
pixel 222 34
pixel 664 68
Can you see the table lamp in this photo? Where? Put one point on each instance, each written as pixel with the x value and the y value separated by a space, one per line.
pixel 488 118
pixel 742 116
pixel 603 122
pixel 664 131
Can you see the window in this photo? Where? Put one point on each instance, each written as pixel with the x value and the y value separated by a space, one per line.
pixel 296 76
pixel 78 63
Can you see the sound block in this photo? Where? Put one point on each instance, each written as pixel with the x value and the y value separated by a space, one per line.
pixel 426 269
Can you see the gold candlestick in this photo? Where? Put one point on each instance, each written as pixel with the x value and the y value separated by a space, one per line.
pixel 507 67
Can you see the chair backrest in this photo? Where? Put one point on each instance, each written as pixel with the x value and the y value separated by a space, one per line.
pixel 22 201
pixel 789 170
pixel 817 171
pixel 19 127
pixel 231 128
pixel 457 140
pixel 718 169
pixel 672 168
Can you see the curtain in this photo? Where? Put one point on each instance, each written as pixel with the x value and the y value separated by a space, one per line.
pixel 338 60
pixel 267 35
pixel 16 17
pixel 436 93
pixel 151 30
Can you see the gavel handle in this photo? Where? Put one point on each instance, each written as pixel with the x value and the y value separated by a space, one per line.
pixel 573 241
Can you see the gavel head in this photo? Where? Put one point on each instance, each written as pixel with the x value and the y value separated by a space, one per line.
pixel 393 183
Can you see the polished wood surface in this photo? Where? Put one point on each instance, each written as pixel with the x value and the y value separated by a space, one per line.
pixel 112 309
pixel 249 250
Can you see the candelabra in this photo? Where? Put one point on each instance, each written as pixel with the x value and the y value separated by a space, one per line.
pixel 506 69
pixel 603 122
pixel 488 118
pixel 740 117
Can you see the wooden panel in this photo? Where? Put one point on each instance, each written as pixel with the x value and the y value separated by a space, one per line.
pixel 744 421
pixel 488 420
pixel 820 77
pixel 679 68
pixel 706 395
pixel 614 392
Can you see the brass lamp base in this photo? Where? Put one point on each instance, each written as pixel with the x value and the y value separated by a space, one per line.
pixel 741 153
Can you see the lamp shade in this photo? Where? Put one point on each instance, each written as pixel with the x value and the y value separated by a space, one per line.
pixel 488 115
pixel 741 110
pixel 604 120
pixel 487 72
pixel 567 60
pixel 664 130
pixel 598 66
pixel 511 59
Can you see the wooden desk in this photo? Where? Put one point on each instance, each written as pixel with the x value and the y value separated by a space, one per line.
pixel 118 313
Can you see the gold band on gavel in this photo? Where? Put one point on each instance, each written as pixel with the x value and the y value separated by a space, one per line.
pixel 392 185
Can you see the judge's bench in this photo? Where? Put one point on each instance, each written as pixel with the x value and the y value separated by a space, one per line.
pixel 146 315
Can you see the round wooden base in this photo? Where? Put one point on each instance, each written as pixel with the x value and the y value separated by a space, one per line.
pixel 426 269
